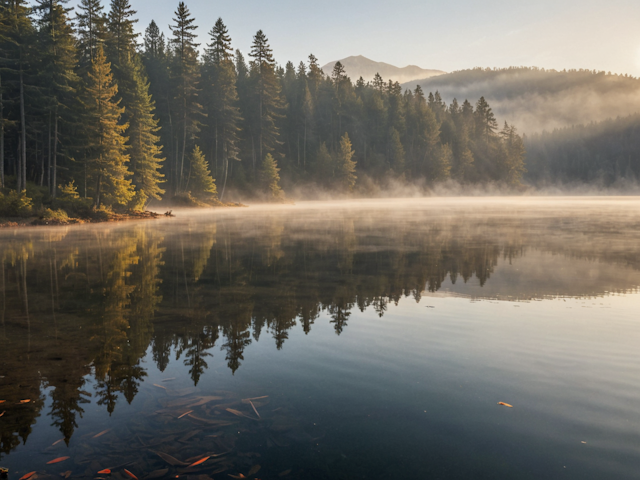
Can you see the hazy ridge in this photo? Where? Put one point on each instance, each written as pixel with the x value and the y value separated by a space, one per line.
pixel 359 66
pixel 537 99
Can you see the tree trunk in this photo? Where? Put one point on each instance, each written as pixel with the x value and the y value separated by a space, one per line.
pixel 184 142
pixel 42 161
pixel 49 157
pixel 260 132
pixel 216 152
pixel 55 154
pixel 1 137
pixel 23 140
pixel 96 202
pixel 226 167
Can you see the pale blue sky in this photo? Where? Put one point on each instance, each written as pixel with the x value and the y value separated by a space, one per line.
pixel 452 35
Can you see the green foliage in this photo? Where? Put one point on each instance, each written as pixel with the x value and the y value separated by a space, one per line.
pixel 123 124
pixel 54 217
pixel 201 184
pixel 185 79
pixel 14 204
pixel 324 166
pixel 69 200
pixel 105 151
pixel 441 168
pixel 512 165
pixel 145 153
pixel 345 171
pixel 271 179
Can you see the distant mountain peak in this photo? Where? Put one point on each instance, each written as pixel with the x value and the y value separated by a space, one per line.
pixel 360 66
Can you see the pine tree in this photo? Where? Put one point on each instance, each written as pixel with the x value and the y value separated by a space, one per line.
pixel 271 179
pixel 186 75
pixel 16 42
pixel 91 29
pixel 441 164
pixel 201 183
pixel 144 149
pixel 133 91
pixel 122 37
pixel 512 167
pixel 267 90
pixel 107 160
pixel 223 114
pixel 156 62
pixel 345 165
pixel 486 124
pixel 57 65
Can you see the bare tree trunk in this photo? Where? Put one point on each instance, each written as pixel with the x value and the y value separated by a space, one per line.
pixel 1 138
pixel 49 157
pixel 226 167
pixel 19 167
pixel 42 162
pixel 23 127
pixel 96 202
pixel 253 154
pixel 216 152
pixel 184 143
pixel 54 183
pixel 304 148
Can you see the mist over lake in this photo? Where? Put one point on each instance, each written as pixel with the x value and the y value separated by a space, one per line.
pixel 440 337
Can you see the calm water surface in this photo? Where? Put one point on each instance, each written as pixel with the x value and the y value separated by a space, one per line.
pixel 325 340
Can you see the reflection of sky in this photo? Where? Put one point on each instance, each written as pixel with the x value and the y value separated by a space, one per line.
pixel 444 35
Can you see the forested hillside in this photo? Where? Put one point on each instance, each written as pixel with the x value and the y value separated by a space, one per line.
pixel 94 117
pixel 600 154
pixel 536 99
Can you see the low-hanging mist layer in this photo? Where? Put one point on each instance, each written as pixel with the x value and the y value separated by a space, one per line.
pixel 538 99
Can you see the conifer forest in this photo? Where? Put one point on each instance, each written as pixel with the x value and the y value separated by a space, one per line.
pixel 95 118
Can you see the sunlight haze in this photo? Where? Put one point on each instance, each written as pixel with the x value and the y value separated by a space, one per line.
pixel 446 36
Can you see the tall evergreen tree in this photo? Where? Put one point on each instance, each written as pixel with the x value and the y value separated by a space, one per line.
pixel 91 29
pixel 106 152
pixel 268 93
pixel 271 179
pixel 144 149
pixel 16 56
pixel 186 76
pixel 201 183
pixel 223 114
pixel 57 65
pixel 345 165
pixel 512 167
pixel 122 37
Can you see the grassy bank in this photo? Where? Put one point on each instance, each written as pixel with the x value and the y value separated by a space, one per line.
pixel 35 206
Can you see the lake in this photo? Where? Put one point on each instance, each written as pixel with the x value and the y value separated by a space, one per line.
pixel 370 339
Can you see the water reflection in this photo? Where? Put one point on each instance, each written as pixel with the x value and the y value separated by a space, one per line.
pixel 89 303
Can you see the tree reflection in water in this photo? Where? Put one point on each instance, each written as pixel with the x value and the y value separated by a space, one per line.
pixel 89 303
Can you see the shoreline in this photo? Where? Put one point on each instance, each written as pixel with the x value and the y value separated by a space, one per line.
pixel 35 221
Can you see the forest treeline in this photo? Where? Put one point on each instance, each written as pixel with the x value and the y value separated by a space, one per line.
pixel 538 99
pixel 94 116
pixel 603 153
